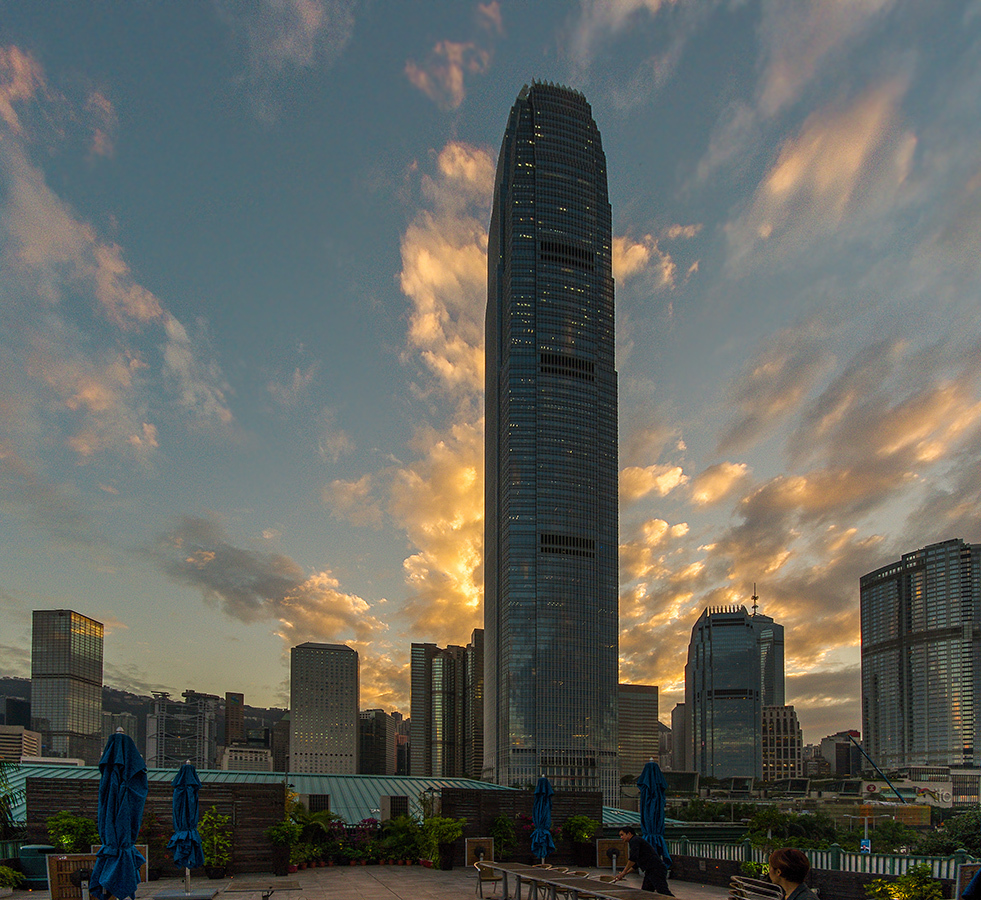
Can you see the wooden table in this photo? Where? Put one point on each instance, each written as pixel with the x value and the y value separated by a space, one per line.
pixel 572 884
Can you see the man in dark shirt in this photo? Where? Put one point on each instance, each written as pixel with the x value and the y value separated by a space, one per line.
pixel 641 855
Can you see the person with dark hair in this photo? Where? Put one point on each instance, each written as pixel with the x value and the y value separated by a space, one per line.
pixel 788 869
pixel 641 855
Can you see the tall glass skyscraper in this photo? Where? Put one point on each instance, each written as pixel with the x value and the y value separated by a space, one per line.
pixel 550 539
pixel 921 647
pixel 66 683
pixel 735 668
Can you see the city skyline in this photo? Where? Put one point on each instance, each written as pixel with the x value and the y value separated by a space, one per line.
pixel 241 352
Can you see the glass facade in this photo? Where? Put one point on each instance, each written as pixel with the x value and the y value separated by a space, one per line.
pixel 735 668
pixel 550 568
pixel 66 683
pixel 921 637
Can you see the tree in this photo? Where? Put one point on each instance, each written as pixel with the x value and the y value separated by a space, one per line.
pixel 960 832
pixel 916 884
pixel 8 797
pixel 770 827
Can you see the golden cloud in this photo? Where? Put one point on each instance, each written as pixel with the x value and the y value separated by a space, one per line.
pixel 717 482
pixel 637 482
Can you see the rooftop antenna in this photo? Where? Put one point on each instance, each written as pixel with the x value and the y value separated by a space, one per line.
pixel 755 599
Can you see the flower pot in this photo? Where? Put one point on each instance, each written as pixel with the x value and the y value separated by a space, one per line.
pixel 291 868
pixel 215 871
pixel 426 863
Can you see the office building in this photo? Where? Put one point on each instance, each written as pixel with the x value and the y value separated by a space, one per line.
pixel 324 692
pixel 16 742
pixel 279 743
pixel 127 721
pixel 550 515
pixel 243 757
pixel 639 728
pixel 446 705
pixel 842 754
pixel 783 744
pixel 180 731
pixel 377 735
pixel 681 753
pixel 234 719
pixel 921 651
pixel 15 711
pixel 735 668
pixel 66 684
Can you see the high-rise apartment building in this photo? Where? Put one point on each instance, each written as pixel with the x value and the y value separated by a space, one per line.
pixel 446 705
pixel 783 744
pixel 124 720
pixel 735 668
pixel 16 741
pixel 324 692
pixel 179 731
pixel 844 758
pixel 921 647
pixel 66 684
pixel 550 515
pixel 640 735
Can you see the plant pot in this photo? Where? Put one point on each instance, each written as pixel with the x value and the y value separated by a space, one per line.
pixel 291 868
pixel 153 874
pixel 215 871
pixel 426 863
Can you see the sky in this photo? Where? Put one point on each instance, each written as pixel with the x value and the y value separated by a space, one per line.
pixel 243 251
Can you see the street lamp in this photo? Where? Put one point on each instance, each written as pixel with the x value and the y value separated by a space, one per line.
pixel 866 844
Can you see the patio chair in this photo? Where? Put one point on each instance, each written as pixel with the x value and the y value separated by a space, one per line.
pixel 486 875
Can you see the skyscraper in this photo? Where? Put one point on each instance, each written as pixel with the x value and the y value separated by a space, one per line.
pixel 178 731
pixel 445 700
pixel 640 736
pixel 66 683
pixel 550 538
pixel 735 668
pixel 921 646
pixel 783 744
pixel 324 691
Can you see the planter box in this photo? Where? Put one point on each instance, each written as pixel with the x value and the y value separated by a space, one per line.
pixel 61 866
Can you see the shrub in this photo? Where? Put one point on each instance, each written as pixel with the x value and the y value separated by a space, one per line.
pixel 502 830
pixel 438 830
pixel 916 884
pixel 10 878
pixel 71 833
pixel 216 838
pixel 579 829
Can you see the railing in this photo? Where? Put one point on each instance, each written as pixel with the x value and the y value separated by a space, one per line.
pixel 833 859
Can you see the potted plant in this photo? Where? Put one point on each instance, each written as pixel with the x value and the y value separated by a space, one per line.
pixel 71 833
pixel 216 842
pixel 579 831
pixel 9 879
pixel 438 835
pixel 502 830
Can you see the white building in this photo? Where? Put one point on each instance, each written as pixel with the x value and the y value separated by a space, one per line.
pixel 324 694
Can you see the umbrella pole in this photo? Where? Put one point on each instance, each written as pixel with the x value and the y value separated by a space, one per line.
pixel 187 880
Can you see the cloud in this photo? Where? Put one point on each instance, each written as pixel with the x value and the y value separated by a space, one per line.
pixel 444 270
pixel 290 391
pixel 774 384
pixel 26 494
pixel 602 20
pixel 355 501
pixel 717 482
pixel 490 15
pixel 798 39
pixel 844 164
pixel 196 377
pixel 826 699
pixel 81 334
pixel 334 442
pixel 441 78
pixel 439 500
pixel 253 586
pixel 637 482
pixel 102 115
pixel 631 258
pixel 21 78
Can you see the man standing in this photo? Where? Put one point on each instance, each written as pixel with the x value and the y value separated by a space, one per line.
pixel 641 855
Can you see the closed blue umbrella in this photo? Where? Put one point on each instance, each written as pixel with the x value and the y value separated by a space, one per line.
pixel 122 793
pixel 653 793
pixel 186 842
pixel 541 817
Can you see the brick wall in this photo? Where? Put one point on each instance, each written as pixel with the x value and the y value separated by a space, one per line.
pixel 480 808
pixel 252 807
